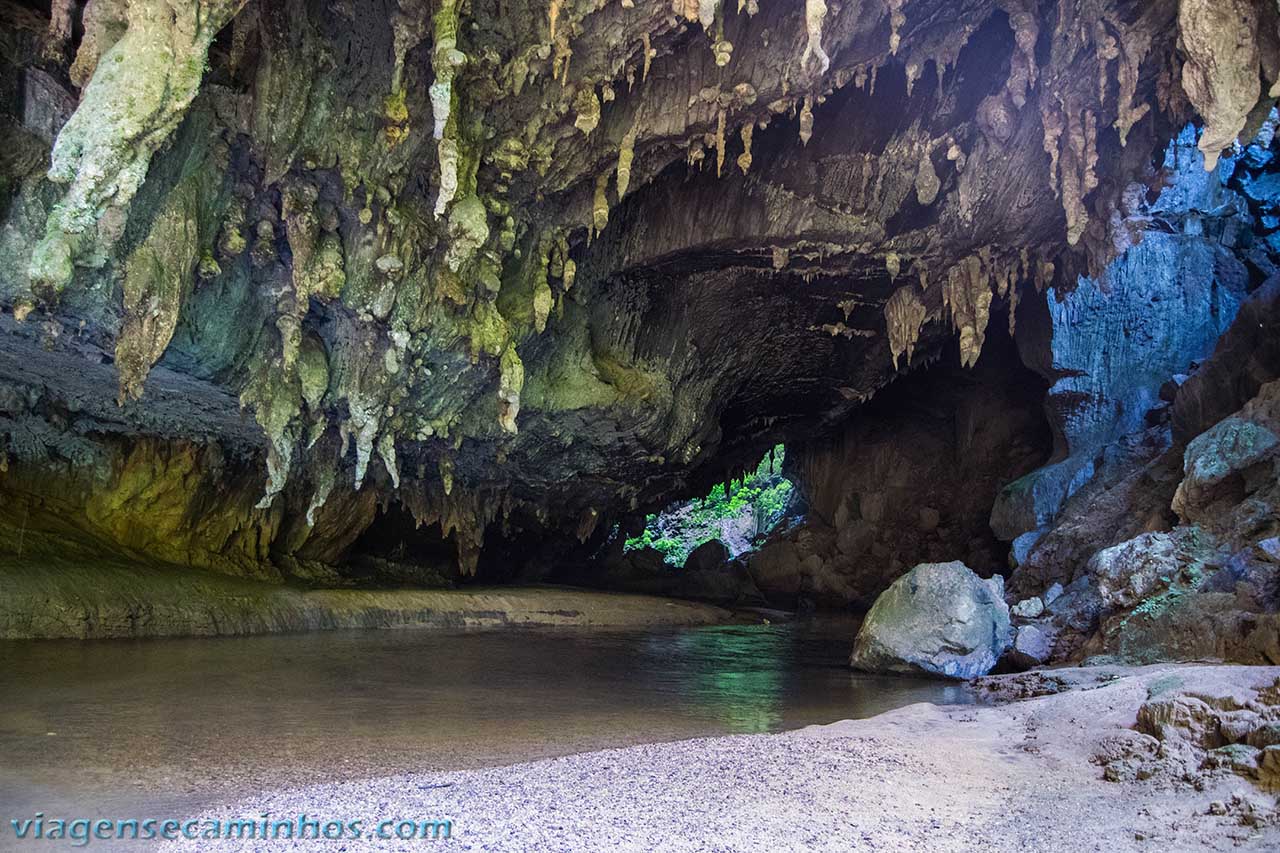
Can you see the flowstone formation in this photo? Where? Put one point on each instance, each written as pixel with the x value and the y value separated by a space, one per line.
pixel 477 275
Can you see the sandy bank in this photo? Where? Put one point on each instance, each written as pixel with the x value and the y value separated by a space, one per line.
pixel 106 598
pixel 1021 775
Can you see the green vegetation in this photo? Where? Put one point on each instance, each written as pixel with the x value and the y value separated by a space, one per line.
pixel 750 509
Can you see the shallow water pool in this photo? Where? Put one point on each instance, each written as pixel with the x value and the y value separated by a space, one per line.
pixel 162 726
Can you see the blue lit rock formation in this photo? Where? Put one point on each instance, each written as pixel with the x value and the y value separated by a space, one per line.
pixel 1107 344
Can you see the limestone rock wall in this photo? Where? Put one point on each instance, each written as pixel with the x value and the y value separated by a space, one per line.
pixel 520 267
pixel 1173 552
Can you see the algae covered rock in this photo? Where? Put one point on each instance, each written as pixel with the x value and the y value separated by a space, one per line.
pixel 938 619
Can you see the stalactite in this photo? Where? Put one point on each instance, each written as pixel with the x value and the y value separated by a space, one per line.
pixel 387 453
pixel 511 383
pixel 1022 65
pixel 1014 295
pixel 967 295
pixel 815 12
pixel 904 316
pixel 553 16
pixel 587 523
pixel 600 204
pixel 446 59
pixel 927 181
pixel 744 159
pixel 586 105
pixel 707 12
pixel 137 97
pixel 1134 46
pixel 806 120
pixel 58 37
pixel 722 50
pixel 721 118
pixel 320 493
pixel 1220 76
pixel 626 153
pixel 103 22
pixel 896 20
pixel 446 474
pixel 1071 139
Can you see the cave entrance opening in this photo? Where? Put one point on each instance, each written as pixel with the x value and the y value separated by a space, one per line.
pixel 739 512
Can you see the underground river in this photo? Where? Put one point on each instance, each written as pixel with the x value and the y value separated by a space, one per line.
pixel 165 726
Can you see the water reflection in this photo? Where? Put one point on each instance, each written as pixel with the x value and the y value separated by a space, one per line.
pixel 734 674
pixel 170 724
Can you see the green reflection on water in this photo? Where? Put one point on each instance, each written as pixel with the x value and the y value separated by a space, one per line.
pixel 736 674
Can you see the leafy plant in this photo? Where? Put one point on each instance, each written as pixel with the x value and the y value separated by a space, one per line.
pixel 749 509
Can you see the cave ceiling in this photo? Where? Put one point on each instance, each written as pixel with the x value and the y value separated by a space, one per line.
pixel 554 263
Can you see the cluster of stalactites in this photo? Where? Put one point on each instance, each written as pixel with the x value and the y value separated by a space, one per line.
pixel 967 293
pixel 461 513
pixel 904 316
pixel 138 89
pixel 446 59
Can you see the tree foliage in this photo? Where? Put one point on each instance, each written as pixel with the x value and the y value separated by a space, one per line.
pixel 749 510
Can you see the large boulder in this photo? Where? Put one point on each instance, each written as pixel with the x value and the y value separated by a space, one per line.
pixel 707 557
pixel 1216 464
pixel 937 619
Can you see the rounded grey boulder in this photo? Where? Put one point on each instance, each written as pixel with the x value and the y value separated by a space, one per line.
pixel 938 619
